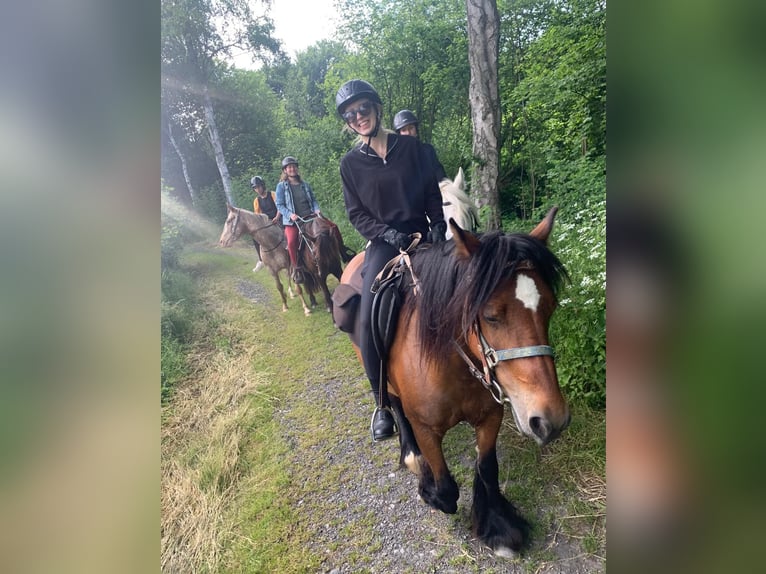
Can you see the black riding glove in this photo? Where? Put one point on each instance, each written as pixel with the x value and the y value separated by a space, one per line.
pixel 396 239
pixel 438 232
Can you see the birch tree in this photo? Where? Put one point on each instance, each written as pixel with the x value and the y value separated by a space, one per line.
pixel 196 36
pixel 483 49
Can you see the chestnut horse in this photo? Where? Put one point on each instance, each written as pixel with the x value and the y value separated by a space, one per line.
pixel 320 254
pixel 475 336
pixel 273 246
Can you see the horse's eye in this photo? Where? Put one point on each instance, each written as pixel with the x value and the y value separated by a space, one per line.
pixel 492 319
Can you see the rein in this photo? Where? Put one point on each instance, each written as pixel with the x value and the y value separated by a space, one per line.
pixel 490 358
pixel 308 241
pixel 235 224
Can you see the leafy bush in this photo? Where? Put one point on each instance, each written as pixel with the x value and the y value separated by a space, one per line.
pixel 211 203
pixel 578 329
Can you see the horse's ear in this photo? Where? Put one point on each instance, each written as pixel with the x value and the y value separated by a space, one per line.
pixel 543 229
pixel 459 178
pixel 466 243
pixel 229 206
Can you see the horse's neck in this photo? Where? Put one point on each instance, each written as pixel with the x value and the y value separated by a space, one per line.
pixel 259 227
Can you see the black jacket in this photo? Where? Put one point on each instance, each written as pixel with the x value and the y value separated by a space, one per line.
pixel 400 191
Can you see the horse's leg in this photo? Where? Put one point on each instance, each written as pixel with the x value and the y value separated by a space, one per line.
pixel 326 292
pixel 275 275
pixel 495 520
pixel 436 486
pixel 299 290
pixel 410 456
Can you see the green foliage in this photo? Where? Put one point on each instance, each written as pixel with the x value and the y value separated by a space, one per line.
pixel 249 122
pixel 578 329
pixel 177 304
pixel 555 94
pixel 211 203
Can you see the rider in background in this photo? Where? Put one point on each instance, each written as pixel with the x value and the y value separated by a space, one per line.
pixel 406 123
pixel 295 200
pixel 388 196
pixel 264 203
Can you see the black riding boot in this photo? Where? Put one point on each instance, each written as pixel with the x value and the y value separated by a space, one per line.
pixel 383 424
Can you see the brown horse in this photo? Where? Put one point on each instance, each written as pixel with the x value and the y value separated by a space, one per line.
pixel 474 337
pixel 273 246
pixel 320 255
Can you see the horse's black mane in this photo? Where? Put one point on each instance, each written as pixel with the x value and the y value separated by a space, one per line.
pixel 454 291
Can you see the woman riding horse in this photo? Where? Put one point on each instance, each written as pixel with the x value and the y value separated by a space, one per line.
pixel 390 192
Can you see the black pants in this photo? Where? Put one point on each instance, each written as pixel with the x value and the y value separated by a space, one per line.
pixel 377 255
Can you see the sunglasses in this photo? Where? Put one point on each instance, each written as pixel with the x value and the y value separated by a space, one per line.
pixel 363 110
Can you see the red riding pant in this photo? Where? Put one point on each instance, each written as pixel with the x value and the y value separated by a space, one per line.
pixel 293 240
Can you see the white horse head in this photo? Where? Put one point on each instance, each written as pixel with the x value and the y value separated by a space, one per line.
pixel 457 204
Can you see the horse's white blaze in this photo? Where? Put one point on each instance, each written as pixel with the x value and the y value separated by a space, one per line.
pixel 526 291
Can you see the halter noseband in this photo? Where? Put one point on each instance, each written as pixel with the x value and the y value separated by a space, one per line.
pixel 490 359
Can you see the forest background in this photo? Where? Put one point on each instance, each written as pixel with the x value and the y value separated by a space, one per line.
pixel 221 125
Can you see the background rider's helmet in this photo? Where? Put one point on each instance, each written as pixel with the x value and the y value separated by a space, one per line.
pixel 288 160
pixel 257 180
pixel 354 90
pixel 404 118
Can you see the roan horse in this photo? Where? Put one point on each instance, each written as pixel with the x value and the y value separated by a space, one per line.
pixel 457 204
pixel 473 337
pixel 273 246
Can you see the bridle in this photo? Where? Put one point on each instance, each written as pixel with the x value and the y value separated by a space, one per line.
pixel 235 223
pixel 491 357
pixel 308 240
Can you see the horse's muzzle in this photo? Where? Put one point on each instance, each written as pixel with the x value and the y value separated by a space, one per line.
pixel 545 431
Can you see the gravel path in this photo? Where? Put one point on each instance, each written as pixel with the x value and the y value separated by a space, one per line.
pixel 370 519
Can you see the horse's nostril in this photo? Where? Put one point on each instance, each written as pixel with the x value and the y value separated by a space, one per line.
pixel 540 427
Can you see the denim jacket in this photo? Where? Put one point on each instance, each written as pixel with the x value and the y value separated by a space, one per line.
pixel 286 204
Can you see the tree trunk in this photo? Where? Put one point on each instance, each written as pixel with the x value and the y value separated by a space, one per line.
pixel 187 179
pixel 215 141
pixel 483 48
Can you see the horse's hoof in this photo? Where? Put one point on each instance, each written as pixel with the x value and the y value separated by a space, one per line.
pixel 284 308
pixel 307 312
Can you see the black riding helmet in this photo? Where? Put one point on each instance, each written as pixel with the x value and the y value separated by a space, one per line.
pixel 404 118
pixel 288 160
pixel 354 90
pixel 256 181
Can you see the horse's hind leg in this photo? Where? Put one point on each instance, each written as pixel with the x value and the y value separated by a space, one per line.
pixel 495 520
pixel 326 293
pixel 410 456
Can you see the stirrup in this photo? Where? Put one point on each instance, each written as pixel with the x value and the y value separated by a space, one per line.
pixel 394 433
